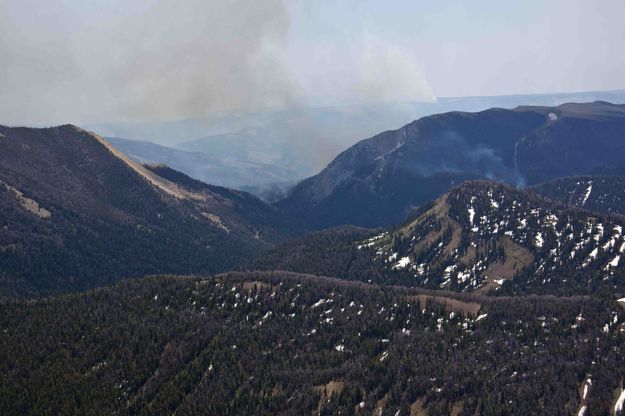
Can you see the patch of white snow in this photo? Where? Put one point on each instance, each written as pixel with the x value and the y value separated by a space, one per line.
pixel 618 406
pixel 587 194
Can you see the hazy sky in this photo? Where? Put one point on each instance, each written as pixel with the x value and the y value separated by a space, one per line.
pixel 114 60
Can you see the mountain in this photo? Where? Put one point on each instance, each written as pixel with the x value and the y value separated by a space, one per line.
pixel 605 194
pixel 479 237
pixel 349 120
pixel 76 213
pixel 303 140
pixel 229 172
pixel 282 343
pixel 380 180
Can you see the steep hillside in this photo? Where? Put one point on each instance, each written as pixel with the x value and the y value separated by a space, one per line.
pixel 279 343
pixel 76 213
pixel 379 181
pixel 480 236
pixel 605 194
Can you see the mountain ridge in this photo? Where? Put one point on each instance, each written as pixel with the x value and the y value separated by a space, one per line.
pixel 479 236
pixel 378 181
pixel 78 213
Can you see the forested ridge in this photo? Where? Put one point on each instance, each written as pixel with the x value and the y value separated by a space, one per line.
pixel 282 343
pixel 481 236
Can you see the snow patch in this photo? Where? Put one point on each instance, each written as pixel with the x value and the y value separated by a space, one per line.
pixel 320 302
pixel 614 262
pixel 479 318
pixel 402 263
pixel 587 388
pixel 618 406
pixel 539 240
pixel 471 215
pixel 587 194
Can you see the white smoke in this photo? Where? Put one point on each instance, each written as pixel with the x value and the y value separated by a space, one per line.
pixel 388 73
pixel 361 69
pixel 111 60
pixel 72 60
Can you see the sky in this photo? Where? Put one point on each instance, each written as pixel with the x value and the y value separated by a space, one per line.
pixel 113 60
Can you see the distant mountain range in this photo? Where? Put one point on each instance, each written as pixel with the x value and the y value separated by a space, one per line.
pixel 246 150
pixel 379 181
pixel 77 213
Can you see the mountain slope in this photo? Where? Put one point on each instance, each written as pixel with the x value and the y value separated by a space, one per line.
pixel 605 194
pixel 378 181
pixel 480 236
pixel 76 213
pixel 279 343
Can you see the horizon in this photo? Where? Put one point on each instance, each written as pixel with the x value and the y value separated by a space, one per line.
pixel 243 112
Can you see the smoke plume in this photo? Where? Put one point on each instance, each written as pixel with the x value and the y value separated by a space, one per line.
pixel 155 60
pixel 69 60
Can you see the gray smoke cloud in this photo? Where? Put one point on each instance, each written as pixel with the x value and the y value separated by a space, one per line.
pixel 153 60
pixel 84 61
